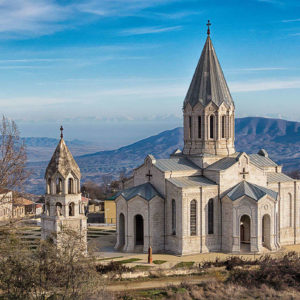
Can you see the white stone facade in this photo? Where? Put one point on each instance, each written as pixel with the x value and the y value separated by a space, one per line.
pixel 208 197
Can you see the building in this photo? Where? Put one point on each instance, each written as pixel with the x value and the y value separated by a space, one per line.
pixel 208 197
pixel 6 204
pixel 23 207
pixel 63 205
pixel 110 211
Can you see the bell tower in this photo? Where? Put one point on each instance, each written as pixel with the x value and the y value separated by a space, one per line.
pixel 208 108
pixel 63 205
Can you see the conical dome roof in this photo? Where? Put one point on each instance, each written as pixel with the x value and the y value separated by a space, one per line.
pixel 208 83
pixel 62 161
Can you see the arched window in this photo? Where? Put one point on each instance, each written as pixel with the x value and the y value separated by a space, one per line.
pixel 58 209
pixel 71 209
pixel 199 127
pixel 173 217
pixel 211 126
pixel 193 217
pixel 49 186
pixel 290 210
pixel 211 216
pixel 70 186
pixel 48 209
pixel 58 186
pixel 190 126
pixel 223 126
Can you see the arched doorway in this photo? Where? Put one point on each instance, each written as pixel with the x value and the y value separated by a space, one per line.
pixel 121 230
pixel 245 229
pixel 266 234
pixel 139 230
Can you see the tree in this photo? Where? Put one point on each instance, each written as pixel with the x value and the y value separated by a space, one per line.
pixel 91 190
pixel 49 272
pixel 294 174
pixel 12 156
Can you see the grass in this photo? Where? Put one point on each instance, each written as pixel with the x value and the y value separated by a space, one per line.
pixel 141 268
pixel 159 262
pixel 184 264
pixel 127 261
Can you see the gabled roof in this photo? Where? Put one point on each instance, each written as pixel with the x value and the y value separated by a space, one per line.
pixel 147 191
pixel 208 83
pixel 62 161
pixel 175 164
pixel 251 190
pixel 278 177
pixel 223 164
pixel 262 161
pixel 191 181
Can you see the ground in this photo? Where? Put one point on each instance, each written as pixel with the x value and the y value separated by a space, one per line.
pixel 102 239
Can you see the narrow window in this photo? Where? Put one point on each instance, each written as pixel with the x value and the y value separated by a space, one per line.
pixel 199 127
pixel 71 209
pixel 58 186
pixel 173 217
pixel 70 186
pixel 211 126
pixel 211 216
pixel 49 186
pixel 193 217
pixel 223 126
pixel 190 126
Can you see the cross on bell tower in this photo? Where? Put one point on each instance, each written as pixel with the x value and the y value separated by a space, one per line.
pixel 208 25
pixel 61 132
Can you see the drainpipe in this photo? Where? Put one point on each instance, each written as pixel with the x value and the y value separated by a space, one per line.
pixel 149 244
pixel 201 218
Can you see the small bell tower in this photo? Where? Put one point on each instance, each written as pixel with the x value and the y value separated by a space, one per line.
pixel 63 205
pixel 208 108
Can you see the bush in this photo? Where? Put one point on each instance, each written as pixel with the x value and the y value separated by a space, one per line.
pixel 113 266
pixel 279 273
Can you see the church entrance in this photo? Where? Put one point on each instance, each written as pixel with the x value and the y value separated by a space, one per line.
pixel 139 230
pixel 266 221
pixel 121 230
pixel 245 229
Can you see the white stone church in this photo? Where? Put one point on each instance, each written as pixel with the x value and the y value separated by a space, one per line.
pixel 208 197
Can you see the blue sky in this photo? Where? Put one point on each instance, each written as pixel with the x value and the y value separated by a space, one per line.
pixel 118 70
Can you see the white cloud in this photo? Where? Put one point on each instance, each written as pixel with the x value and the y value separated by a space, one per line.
pixel 22 18
pixel 264 85
pixel 291 20
pixel 149 30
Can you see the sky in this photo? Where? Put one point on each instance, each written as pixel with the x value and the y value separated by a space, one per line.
pixel 115 71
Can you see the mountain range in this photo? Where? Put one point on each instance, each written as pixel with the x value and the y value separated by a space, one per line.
pixel 280 138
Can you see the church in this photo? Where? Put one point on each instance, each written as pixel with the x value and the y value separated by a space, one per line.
pixel 208 197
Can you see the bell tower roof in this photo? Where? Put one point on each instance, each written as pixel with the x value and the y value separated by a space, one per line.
pixel 62 161
pixel 208 83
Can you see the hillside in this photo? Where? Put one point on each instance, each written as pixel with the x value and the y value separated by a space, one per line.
pixel 279 137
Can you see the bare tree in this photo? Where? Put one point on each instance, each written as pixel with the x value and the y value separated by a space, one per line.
pixel 12 156
pixel 294 174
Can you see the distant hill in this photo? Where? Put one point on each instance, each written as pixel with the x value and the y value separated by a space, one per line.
pixel 279 137
pixel 41 148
